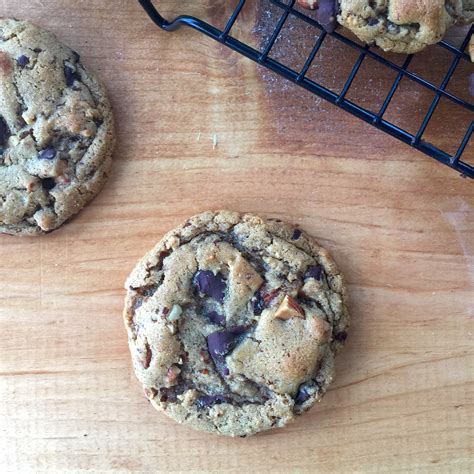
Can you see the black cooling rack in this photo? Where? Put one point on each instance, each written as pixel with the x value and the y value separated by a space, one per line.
pixel 262 57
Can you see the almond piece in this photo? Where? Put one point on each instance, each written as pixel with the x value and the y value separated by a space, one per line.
pixel 172 374
pixel 289 308
pixel 309 4
pixel 175 313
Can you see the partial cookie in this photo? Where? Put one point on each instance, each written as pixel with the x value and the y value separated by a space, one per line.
pixel 56 131
pixel 233 323
pixel 401 26
pixel 462 11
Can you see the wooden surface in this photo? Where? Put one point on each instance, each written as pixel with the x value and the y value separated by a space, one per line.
pixel 400 226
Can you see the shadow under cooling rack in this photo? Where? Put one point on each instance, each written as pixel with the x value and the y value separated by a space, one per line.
pixel 414 128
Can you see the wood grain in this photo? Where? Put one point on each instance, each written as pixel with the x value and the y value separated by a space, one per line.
pixel 400 226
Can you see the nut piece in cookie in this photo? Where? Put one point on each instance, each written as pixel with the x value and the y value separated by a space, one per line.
pixel 309 4
pixel 326 14
pixel 289 308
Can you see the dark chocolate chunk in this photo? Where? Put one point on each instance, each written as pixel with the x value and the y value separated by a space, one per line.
pixel 262 298
pixel 326 14
pixel 210 284
pixel 341 336
pixel 169 394
pixel 209 400
pixel 296 234
pixel 4 132
pixel 314 271
pixel 48 183
pixel 373 21
pixel 216 318
pixel 71 75
pixel 392 28
pixel 47 154
pixel 146 290
pixel 23 61
pixel 302 395
pixel 258 303
pixel 221 343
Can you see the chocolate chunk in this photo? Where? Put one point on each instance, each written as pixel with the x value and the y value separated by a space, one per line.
pixel 47 154
pixel 296 234
pixel 71 75
pixel 392 28
pixel 341 336
pixel 23 61
pixel 302 395
pixel 168 394
pixel 258 303
pixel 209 400
pixel 326 14
pixel 48 183
pixel 4 132
pixel 221 343
pixel 373 21
pixel 216 318
pixel 210 284
pixel 263 297
pixel 471 84
pixel 314 271
pixel 147 291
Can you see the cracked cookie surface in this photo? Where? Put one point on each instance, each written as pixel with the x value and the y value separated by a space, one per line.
pixel 233 322
pixel 56 131
pixel 403 26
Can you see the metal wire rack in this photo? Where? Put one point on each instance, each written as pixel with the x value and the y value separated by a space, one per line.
pixel 339 98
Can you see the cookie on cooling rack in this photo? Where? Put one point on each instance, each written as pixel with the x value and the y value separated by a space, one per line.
pixel 403 26
pixel 233 322
pixel 56 131
pixel 462 11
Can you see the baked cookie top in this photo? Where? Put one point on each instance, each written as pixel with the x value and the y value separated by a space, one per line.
pixel 233 322
pixel 56 131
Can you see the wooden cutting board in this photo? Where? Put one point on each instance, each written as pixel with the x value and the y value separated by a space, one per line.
pixel 201 128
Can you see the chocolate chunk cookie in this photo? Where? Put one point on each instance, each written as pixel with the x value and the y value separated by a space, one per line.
pixel 56 131
pixel 233 322
pixel 403 26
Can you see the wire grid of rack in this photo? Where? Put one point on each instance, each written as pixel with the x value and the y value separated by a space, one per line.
pixel 339 98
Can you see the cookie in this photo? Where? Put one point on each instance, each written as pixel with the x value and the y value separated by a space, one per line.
pixel 403 26
pixel 56 131
pixel 233 323
pixel 462 11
